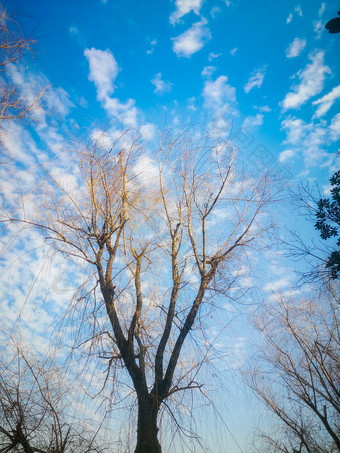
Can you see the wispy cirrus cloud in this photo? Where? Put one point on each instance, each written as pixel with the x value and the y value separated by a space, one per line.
pixel 161 86
pixel 326 102
pixel 311 82
pixel 255 80
pixel 184 7
pixel 295 48
pixel 192 40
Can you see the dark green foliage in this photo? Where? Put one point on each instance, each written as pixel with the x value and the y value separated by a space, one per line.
pixel 328 223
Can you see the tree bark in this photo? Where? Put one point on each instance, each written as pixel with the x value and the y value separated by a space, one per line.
pixel 147 430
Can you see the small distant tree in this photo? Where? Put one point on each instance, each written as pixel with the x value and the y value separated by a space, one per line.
pixel 297 372
pixel 161 234
pixel 36 414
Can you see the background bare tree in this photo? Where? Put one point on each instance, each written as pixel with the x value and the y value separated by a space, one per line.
pixel 14 104
pixel 297 373
pixel 161 238
pixel 36 413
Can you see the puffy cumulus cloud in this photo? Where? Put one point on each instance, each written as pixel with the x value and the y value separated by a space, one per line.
pixel 253 121
pixel 184 7
pixel 192 40
pixel 312 82
pixel 103 70
pixel 161 86
pixel 335 127
pixel 326 102
pixel 286 155
pixel 218 95
pixel 255 80
pixel 295 48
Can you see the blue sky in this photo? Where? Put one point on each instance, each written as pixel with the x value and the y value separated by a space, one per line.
pixel 265 70
pixel 269 67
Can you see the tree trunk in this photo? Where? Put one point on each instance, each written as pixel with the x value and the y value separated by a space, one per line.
pixel 147 429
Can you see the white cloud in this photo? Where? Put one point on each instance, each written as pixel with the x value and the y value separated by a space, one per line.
pixel 192 40
pixel 255 80
pixel 326 102
pixel 218 94
pixel 322 9
pixel 264 108
pixel 161 86
pixel 314 143
pixel 148 131
pixel 213 55
pixel 103 70
pixel 208 71
pixel 146 169
pixel 153 43
pixel 295 48
pixel 214 11
pixel 74 30
pixel 277 285
pixel 253 121
pixel 318 28
pixel 312 81
pixel 335 127
pixel 298 10
pixel 289 18
pixel 184 7
pixel 126 112
pixel 233 51
pixel 295 129
pixel 286 155
pixel 308 139
pixel 191 103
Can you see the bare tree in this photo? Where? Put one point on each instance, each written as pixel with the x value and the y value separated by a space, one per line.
pixel 161 235
pixel 14 104
pixel 35 400
pixel 297 372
